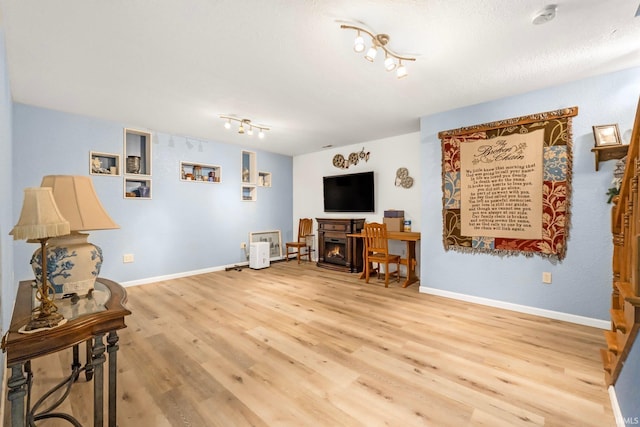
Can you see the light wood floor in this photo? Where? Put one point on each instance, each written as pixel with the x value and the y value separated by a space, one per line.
pixel 295 345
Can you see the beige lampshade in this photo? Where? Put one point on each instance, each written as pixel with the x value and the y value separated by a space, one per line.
pixel 40 217
pixel 77 200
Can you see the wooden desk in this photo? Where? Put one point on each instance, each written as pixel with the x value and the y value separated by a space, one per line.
pixel 410 237
pixel 88 320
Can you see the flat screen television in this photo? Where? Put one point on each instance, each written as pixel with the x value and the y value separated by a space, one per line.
pixel 349 193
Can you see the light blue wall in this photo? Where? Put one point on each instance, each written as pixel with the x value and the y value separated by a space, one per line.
pixel 7 284
pixel 582 281
pixel 185 227
pixel 628 386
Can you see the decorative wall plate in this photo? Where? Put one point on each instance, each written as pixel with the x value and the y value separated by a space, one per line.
pixel 340 162
pixel 403 179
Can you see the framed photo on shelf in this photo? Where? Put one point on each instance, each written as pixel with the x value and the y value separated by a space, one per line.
pixel 273 237
pixel 606 135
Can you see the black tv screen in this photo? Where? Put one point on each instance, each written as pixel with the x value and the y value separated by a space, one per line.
pixel 349 193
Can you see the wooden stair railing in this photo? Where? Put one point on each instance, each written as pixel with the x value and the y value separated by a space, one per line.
pixel 625 299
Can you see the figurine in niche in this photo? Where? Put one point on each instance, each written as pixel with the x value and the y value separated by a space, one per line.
pixel 96 166
pixel 142 191
pixel 212 176
pixel 197 173
pixel 245 175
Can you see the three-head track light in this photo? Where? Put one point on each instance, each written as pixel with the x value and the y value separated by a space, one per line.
pixel 244 123
pixel 379 41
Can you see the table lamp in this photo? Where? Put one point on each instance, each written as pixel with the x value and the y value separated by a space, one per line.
pixel 40 219
pixel 74 263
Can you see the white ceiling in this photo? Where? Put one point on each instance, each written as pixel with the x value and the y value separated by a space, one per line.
pixel 175 66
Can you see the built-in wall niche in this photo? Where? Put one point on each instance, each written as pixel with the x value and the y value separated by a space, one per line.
pixel 200 172
pixel 248 167
pixel 264 179
pixel 249 193
pixel 137 152
pixel 137 188
pixel 104 164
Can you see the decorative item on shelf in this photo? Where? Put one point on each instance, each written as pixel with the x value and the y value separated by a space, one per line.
pixel 379 41
pixel 73 264
pixel 96 166
pixel 608 144
pixel 212 176
pixel 606 135
pixel 183 175
pixel 403 179
pixel 133 164
pixel 354 158
pixel 197 173
pixel 245 175
pixel 40 220
pixel 142 190
pixel 244 124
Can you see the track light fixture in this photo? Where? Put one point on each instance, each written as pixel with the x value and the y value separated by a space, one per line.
pixel 379 41
pixel 243 124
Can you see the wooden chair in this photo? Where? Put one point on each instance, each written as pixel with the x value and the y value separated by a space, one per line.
pixel 304 233
pixel 376 246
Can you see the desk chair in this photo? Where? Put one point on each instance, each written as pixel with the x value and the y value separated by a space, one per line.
pixel 376 244
pixel 304 240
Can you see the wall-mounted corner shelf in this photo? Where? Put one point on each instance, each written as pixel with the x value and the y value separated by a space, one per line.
pixel 609 152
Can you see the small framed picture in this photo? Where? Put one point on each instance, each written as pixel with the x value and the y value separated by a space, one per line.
pixel 607 135
pixel 274 239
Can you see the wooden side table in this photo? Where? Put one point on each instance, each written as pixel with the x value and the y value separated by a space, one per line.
pixel 89 319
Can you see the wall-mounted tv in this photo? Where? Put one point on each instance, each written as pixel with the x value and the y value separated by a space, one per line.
pixel 349 193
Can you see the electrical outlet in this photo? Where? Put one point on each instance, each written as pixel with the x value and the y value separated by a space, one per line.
pixel 243 245
pixel 127 258
pixel 546 277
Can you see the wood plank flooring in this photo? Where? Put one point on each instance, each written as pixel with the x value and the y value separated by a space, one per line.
pixel 296 345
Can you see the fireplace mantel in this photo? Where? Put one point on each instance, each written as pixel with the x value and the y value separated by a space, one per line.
pixel 334 231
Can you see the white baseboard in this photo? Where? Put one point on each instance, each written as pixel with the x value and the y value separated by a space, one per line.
pixel 182 274
pixel 557 315
pixel 615 407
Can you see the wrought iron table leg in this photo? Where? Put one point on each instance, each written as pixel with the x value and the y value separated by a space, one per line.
pixel 98 381
pixel 17 391
pixel 76 358
pixel 112 349
pixel 88 370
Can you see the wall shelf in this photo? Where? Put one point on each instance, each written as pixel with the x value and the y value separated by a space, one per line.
pixel 200 172
pixel 104 164
pixel 137 188
pixel 137 152
pixel 248 168
pixel 249 193
pixel 609 152
pixel 264 179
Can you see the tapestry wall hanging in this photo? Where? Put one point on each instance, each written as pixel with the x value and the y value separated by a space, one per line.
pixel 507 185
